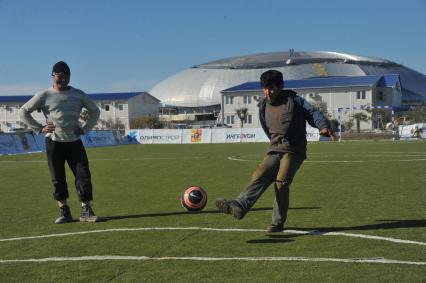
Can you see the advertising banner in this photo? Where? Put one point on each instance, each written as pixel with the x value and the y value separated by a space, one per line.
pixel 14 143
pixel 157 136
pixel 312 134
pixel 40 141
pixel 205 135
pixel 99 138
pixel 235 135
pixel 8 144
pixel 412 132
pixel 196 136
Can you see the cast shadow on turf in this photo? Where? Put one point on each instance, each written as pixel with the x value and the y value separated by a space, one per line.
pixel 119 217
pixel 274 239
pixel 385 224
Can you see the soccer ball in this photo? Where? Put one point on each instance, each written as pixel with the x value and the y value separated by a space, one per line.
pixel 194 198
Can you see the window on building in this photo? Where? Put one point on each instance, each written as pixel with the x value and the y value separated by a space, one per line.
pixel 380 95
pixel 229 100
pixel 247 99
pixel 107 107
pixel 248 119
pixel 361 94
pixel 230 119
pixel 120 107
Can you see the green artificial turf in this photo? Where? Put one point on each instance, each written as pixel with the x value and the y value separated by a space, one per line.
pixel 362 188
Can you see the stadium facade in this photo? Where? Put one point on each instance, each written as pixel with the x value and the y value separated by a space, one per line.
pixel 200 86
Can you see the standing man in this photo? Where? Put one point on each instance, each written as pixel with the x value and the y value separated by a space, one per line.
pixel 283 116
pixel 61 105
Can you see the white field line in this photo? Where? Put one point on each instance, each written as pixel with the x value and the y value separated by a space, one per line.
pixel 364 236
pixel 234 158
pixel 145 258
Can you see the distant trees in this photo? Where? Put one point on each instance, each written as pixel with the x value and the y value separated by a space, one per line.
pixel 417 114
pixel 358 117
pixel 145 122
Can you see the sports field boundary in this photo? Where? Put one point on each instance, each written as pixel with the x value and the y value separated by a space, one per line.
pixel 353 235
pixel 168 258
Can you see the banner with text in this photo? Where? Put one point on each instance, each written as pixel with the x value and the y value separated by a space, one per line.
pixel 222 135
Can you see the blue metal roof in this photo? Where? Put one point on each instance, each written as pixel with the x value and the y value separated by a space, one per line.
pixel 389 80
pixel 94 96
pixel 114 96
pixel 328 82
pixel 15 98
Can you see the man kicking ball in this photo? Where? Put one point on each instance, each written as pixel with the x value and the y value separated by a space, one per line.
pixel 283 116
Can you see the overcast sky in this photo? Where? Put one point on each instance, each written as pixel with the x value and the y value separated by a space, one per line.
pixel 120 46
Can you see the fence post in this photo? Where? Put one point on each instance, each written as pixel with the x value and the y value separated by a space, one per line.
pixel 393 124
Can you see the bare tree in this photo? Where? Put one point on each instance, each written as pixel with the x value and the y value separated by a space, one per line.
pixel 242 115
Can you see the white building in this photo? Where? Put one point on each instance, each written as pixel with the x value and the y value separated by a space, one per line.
pixel 201 85
pixel 124 107
pixel 116 109
pixel 350 94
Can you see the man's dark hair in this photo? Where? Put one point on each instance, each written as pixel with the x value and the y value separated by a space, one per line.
pixel 271 78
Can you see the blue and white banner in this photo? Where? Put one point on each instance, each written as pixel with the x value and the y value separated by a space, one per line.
pixel 222 135
pixel 100 138
pixel 8 144
pixel 14 143
pixel 412 132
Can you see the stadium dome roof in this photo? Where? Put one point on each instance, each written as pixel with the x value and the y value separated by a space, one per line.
pixel 201 84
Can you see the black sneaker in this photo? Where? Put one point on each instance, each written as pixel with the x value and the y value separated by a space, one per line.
pixel 87 214
pixel 274 228
pixel 65 215
pixel 230 207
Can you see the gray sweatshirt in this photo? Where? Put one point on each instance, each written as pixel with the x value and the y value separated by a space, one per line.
pixel 63 109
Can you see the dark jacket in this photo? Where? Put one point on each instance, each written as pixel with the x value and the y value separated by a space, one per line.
pixel 295 138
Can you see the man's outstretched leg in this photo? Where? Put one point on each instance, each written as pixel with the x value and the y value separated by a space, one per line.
pixel 262 177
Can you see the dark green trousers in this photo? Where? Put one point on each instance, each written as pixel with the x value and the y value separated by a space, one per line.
pixel 277 168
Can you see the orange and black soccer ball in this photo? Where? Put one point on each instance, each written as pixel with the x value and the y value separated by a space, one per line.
pixel 194 198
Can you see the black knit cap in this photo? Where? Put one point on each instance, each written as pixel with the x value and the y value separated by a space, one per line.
pixel 61 67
